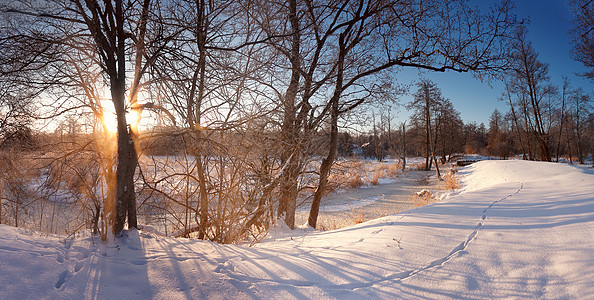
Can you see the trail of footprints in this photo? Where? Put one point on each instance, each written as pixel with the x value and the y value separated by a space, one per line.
pixel 227 269
pixel 79 254
pixel 463 245
pixel 459 248
pixel 62 254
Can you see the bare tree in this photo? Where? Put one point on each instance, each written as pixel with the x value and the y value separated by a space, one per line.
pixel 412 35
pixel 583 34
pixel 530 74
pixel 581 107
pixel 426 104
pixel 449 135
pixel 116 37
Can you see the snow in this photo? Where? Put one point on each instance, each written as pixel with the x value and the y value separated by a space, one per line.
pixel 346 206
pixel 516 229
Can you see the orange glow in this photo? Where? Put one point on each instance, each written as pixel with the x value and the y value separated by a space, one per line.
pixel 110 122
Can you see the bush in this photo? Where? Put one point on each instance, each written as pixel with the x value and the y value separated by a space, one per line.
pixel 451 181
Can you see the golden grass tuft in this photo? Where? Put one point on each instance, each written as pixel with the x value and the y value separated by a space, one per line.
pixel 418 166
pixel 451 182
pixel 423 198
pixel 346 174
pixel 393 170
pixel 357 216
pixel 374 180
pixel 355 181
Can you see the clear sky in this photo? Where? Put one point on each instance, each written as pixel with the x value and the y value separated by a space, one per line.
pixel 548 30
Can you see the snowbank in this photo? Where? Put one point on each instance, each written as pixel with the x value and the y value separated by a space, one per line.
pixel 516 229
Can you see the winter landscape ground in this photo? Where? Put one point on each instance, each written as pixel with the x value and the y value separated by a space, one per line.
pixel 516 229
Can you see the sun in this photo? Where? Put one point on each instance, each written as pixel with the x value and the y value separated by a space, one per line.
pixel 110 122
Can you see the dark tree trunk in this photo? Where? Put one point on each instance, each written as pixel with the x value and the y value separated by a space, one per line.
pixel 326 164
pixel 126 164
pixel 290 132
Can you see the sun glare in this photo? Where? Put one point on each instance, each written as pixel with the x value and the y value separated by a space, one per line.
pixel 110 122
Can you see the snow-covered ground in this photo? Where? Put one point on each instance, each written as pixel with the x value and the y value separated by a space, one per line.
pixel 516 229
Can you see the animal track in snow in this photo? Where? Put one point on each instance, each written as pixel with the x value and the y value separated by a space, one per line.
pixel 400 276
pixel 462 246
pixel 78 266
pixel 377 231
pixel 62 279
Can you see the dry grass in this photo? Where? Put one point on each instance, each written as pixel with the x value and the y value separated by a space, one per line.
pixel 450 179
pixel 423 198
pixel 393 170
pixel 346 174
pixel 382 170
pixel 418 166
pixel 355 181
pixel 374 180
pixel 354 174
pixel 451 182
pixel 357 216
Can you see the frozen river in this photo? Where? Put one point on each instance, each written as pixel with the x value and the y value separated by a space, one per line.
pixel 347 207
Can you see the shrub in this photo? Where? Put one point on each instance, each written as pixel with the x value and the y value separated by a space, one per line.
pixel 346 174
pixel 451 181
pixel 357 217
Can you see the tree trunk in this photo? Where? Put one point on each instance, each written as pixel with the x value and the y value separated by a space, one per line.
pixel 562 119
pixel 126 163
pixel 578 134
pixel 427 132
pixel 332 151
pixel 203 202
pixel 403 156
pixel 290 133
pixel 326 163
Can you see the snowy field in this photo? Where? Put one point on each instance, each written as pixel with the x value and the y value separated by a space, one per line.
pixel 516 229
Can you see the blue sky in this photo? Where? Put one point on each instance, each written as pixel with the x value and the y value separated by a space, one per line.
pixel 548 30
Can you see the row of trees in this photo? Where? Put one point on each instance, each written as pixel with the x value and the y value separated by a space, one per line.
pixel 245 86
pixel 564 128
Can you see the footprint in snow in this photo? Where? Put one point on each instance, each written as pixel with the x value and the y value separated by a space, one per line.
pixel 62 279
pixel 78 266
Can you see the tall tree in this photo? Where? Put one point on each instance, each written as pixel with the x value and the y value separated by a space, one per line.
pixel 530 76
pixel 114 36
pixel 427 101
pixel 581 104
